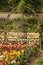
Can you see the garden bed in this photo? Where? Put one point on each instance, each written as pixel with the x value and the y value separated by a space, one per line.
pixel 17 54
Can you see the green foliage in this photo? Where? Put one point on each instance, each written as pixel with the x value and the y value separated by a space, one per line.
pixel 40 62
pixel 28 54
pixel 41 26
pixel 4 23
pixel 28 25
pixel 32 24
pixel 7 5
pixel 25 6
pixel 35 5
pixel 41 33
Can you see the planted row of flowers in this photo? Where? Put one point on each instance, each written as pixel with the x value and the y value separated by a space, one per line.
pixel 17 54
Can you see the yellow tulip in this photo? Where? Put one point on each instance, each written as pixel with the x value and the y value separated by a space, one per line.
pixel 22 51
pixel 7 56
pixel 11 53
pixel 5 53
pixel 18 53
pixel 15 52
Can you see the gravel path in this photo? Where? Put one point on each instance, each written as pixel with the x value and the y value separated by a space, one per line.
pixel 16 15
pixel 13 15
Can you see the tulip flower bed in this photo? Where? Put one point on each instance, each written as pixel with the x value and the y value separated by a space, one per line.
pixel 17 54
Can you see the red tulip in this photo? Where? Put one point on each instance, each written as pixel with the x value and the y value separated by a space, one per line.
pixel 1 63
